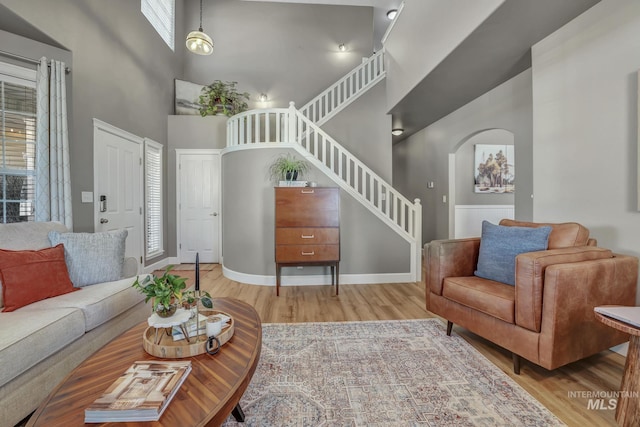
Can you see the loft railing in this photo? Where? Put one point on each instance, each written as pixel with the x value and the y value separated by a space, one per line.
pixel 346 90
pixel 288 125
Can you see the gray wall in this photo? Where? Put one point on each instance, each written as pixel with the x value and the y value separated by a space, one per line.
pixel 188 132
pixel 424 156
pixel 585 108
pixel 367 245
pixel 122 74
pixel 424 34
pixel 466 172
pixel 289 51
pixel 364 128
pixel 18 45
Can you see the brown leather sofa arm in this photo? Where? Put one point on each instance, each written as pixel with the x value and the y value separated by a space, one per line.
pixel 530 274
pixel 449 258
pixel 571 291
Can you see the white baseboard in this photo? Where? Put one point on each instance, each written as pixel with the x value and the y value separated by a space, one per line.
pixel 316 279
pixel 161 265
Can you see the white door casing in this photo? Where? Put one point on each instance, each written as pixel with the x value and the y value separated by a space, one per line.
pixel 117 165
pixel 198 205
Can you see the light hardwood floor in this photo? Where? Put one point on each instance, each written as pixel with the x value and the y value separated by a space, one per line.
pixel 556 389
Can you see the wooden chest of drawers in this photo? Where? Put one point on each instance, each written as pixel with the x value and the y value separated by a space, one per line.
pixel 307 229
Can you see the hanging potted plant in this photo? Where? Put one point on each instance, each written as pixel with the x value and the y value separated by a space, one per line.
pixel 288 168
pixel 222 98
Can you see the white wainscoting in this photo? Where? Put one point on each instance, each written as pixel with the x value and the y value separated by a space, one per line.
pixel 468 218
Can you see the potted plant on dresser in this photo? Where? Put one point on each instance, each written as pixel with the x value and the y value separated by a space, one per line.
pixel 288 168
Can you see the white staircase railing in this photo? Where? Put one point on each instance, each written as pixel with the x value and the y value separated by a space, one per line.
pixel 346 90
pixel 288 125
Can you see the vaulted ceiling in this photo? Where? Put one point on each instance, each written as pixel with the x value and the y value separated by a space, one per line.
pixel 496 51
pixel 499 49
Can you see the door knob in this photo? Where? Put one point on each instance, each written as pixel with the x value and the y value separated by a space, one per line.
pixel 214 214
pixel 103 220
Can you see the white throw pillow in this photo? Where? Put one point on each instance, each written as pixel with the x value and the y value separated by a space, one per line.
pixel 92 257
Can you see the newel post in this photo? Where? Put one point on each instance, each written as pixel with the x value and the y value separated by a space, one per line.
pixel 418 238
pixel 291 131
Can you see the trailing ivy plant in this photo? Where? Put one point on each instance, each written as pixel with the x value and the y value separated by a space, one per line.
pixel 222 98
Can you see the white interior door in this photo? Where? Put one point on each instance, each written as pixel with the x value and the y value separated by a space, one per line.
pixel 198 189
pixel 118 185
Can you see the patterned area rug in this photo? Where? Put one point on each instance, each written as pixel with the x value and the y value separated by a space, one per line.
pixel 383 373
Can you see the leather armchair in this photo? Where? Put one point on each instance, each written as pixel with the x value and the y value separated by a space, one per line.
pixel 547 317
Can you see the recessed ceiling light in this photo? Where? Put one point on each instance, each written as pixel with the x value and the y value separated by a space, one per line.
pixel 392 14
pixel 342 47
pixel 263 97
pixel 397 131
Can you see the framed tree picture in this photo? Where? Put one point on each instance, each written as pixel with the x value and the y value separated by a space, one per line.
pixel 494 168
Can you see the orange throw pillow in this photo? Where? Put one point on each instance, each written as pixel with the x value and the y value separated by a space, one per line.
pixel 30 276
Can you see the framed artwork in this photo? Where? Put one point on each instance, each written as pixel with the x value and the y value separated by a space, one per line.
pixel 187 95
pixel 494 169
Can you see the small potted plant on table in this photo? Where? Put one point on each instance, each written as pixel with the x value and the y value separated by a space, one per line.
pixel 165 292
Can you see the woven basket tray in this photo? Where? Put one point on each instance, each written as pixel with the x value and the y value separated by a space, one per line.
pixel 167 348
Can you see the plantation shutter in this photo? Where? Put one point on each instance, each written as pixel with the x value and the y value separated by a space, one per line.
pixel 17 143
pixel 153 198
pixel 161 14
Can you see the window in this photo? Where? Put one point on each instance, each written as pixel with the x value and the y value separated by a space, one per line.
pixel 161 14
pixel 153 197
pixel 17 143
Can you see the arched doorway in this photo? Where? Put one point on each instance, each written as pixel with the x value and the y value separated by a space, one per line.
pixel 469 205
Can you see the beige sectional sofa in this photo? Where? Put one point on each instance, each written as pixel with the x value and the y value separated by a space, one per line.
pixel 43 341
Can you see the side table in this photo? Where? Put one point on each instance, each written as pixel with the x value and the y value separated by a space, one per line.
pixel 628 407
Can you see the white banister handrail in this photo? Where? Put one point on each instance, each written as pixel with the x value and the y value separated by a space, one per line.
pixel 367 184
pixel 267 125
pixel 258 126
pixel 346 90
pixel 301 128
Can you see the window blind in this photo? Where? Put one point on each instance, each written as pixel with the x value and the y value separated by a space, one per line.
pixel 161 14
pixel 17 143
pixel 153 198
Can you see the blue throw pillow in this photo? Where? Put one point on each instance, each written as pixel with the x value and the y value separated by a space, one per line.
pixel 499 246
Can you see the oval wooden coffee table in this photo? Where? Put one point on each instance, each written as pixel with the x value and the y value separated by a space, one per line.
pixel 209 394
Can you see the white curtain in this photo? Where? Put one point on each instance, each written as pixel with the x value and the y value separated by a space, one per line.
pixel 53 183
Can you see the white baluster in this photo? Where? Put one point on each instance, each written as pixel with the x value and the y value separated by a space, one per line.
pixel 291 128
pixel 267 127
pixel 371 189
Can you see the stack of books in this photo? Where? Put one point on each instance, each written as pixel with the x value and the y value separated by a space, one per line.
pixel 176 332
pixel 142 393
pixel 191 326
pixel 292 183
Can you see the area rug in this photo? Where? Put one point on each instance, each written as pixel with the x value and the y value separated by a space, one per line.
pixel 381 373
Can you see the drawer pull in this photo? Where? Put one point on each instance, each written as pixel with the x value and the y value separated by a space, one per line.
pixel 308 237
pixel 307 191
pixel 308 253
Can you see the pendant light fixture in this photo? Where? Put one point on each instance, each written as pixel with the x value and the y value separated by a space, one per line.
pixel 199 42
